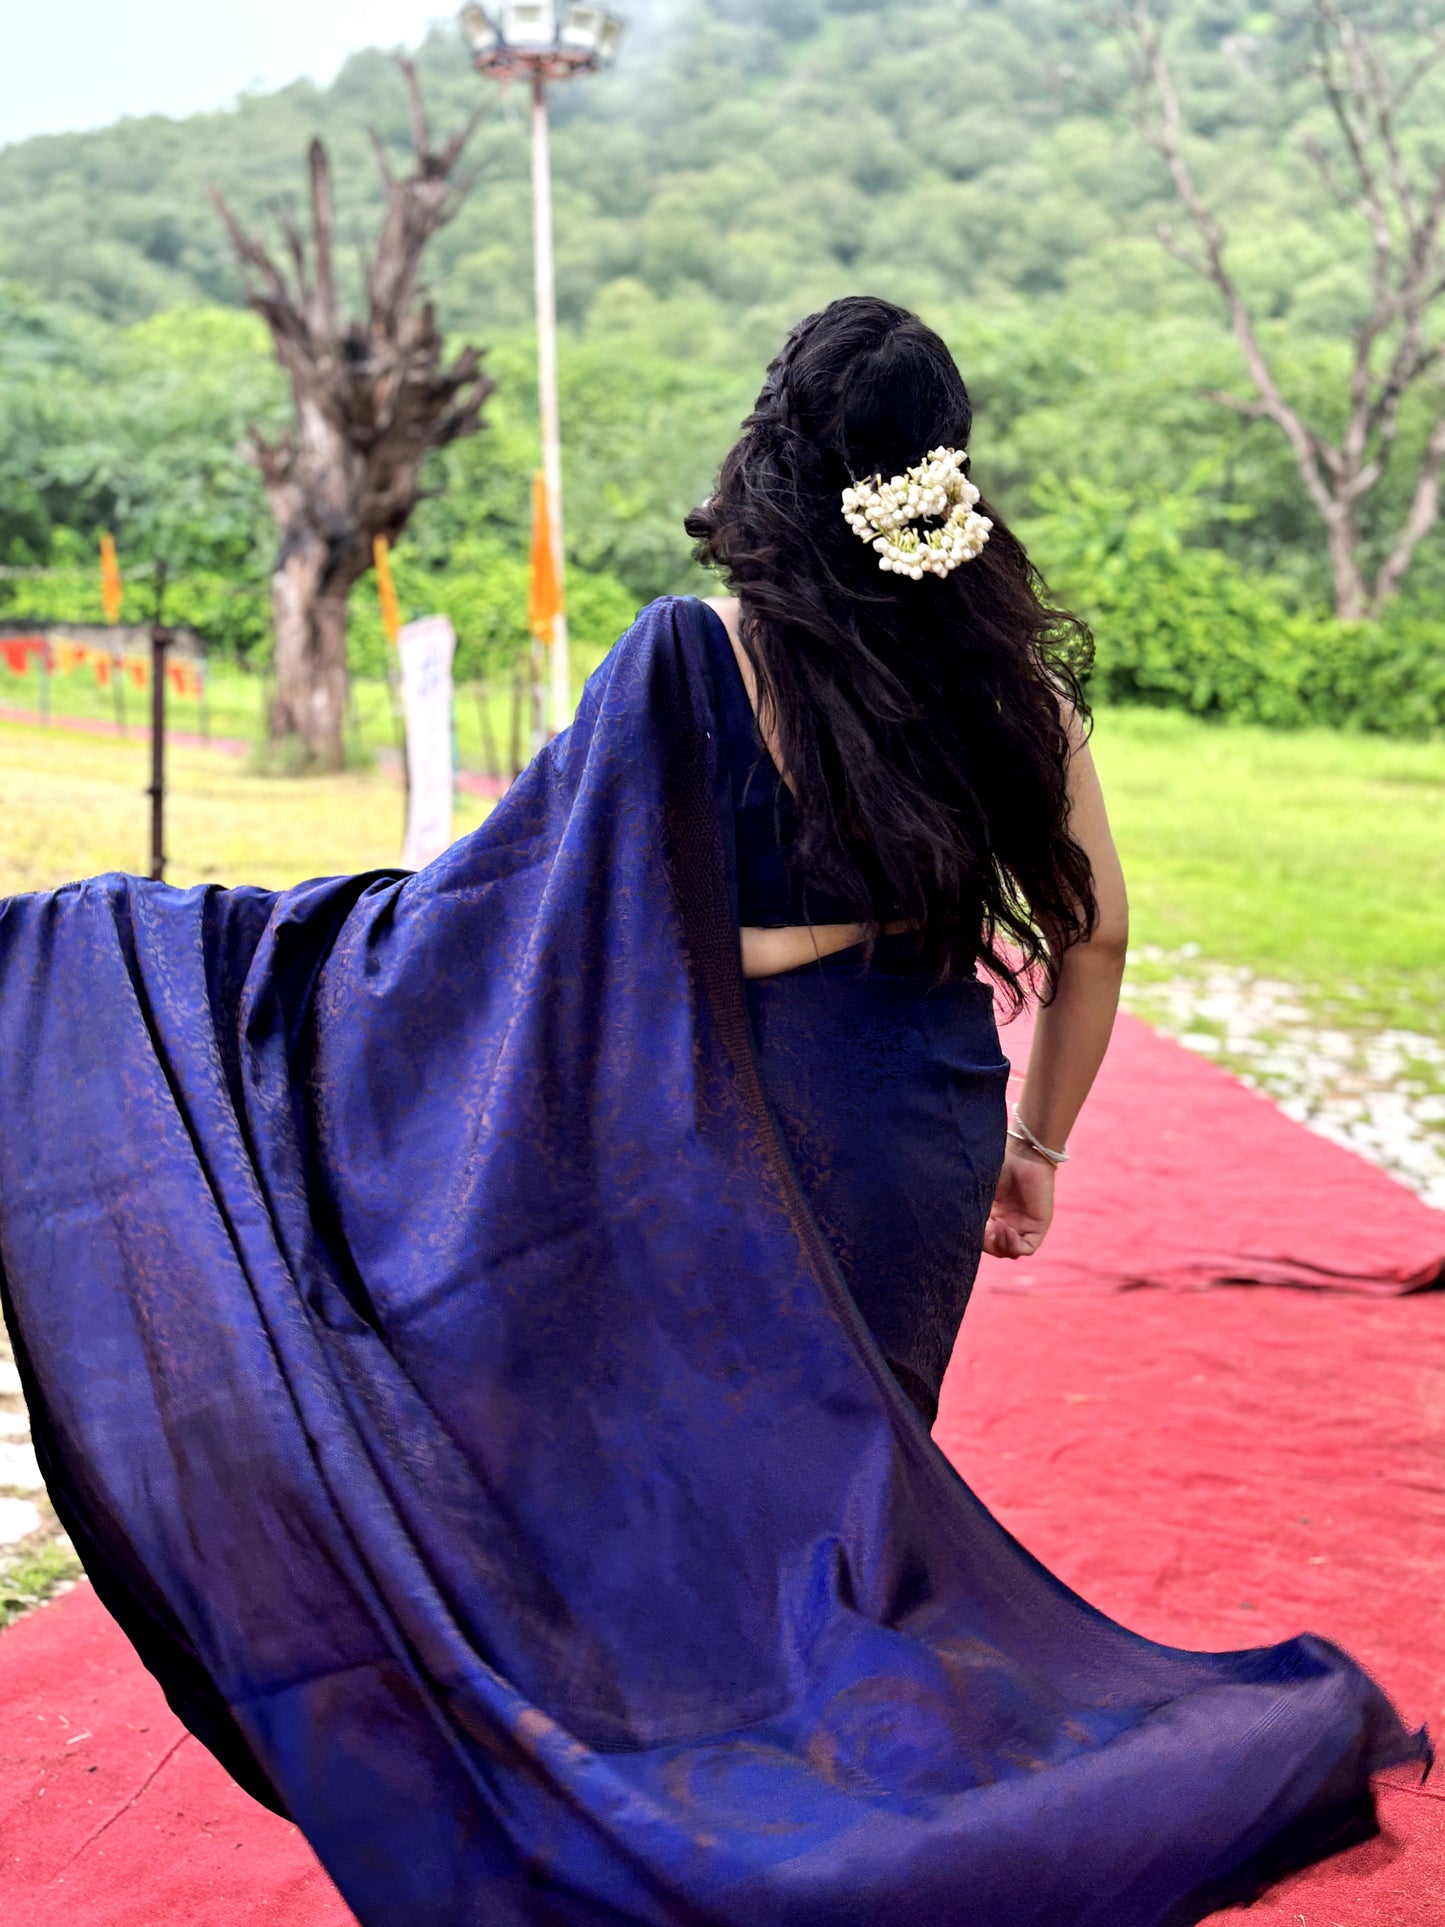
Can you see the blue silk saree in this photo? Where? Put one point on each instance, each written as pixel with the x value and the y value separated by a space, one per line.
pixel 439 1368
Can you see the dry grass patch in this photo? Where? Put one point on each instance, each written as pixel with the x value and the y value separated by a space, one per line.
pixel 73 806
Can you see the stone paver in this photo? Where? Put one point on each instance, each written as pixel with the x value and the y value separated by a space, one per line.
pixel 1381 1093
pixel 19 1468
pixel 18 1519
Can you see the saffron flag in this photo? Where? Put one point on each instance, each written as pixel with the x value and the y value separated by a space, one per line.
pixel 386 588
pixel 110 589
pixel 544 599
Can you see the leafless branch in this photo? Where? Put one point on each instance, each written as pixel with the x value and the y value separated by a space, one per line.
pixel 1169 240
pixel 1325 168
pixel 250 253
pixel 461 140
pixel 383 165
pixel 415 107
pixel 1403 218
pixel 1423 513
pixel 296 249
pixel 1254 411
pixel 322 229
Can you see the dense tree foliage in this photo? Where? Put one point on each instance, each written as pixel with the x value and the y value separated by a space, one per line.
pixel 746 160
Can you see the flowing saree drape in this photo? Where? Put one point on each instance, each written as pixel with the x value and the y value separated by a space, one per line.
pixel 436 1363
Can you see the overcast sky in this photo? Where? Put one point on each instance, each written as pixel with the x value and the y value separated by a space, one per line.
pixel 70 64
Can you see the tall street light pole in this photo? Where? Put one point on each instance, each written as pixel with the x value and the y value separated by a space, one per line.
pixel 538 41
pixel 544 282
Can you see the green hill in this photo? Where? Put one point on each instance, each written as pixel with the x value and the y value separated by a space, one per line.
pixel 745 160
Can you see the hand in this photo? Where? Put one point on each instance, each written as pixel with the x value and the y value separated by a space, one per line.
pixel 1023 1204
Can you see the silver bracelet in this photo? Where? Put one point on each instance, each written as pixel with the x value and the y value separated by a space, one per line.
pixel 1024 1135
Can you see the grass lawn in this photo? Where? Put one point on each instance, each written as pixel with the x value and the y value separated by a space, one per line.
pixel 34 1574
pixel 236 702
pixel 72 805
pixel 1316 856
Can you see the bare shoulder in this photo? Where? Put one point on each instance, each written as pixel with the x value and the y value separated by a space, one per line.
pixel 730 609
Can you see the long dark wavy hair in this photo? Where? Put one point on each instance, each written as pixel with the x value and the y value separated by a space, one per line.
pixel 920 723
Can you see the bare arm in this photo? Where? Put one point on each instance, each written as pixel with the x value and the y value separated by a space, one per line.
pixel 1071 1033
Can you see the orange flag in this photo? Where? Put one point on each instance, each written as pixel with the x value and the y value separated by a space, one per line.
pixel 544 599
pixel 386 588
pixel 110 589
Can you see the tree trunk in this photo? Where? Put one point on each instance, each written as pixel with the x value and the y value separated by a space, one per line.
pixel 311 673
pixel 373 397
pixel 1351 598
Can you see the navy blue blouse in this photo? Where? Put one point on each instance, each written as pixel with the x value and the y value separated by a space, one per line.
pixel 771 893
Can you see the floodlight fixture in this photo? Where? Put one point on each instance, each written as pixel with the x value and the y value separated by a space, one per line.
pixel 541 39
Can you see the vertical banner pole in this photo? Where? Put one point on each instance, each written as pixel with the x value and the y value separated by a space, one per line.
pixel 159 643
pixel 546 301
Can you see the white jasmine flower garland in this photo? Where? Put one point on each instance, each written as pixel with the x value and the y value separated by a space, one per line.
pixel 936 490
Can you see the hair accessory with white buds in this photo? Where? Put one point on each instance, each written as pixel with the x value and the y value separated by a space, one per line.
pixel 887 515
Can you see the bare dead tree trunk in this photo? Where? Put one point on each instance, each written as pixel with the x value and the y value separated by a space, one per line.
pixel 308 609
pixel 372 400
pixel 1402 207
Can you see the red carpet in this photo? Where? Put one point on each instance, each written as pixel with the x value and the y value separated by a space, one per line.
pixel 111 1815
pixel 1227 1468
pixel 1184 1177
pixel 1214 1468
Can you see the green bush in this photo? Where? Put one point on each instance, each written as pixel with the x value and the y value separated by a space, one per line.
pixel 1186 627
pixel 234 617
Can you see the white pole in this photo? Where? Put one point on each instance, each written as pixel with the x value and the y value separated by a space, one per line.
pixel 546 302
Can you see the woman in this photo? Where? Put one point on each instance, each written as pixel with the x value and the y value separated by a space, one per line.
pixel 426 1293
pixel 939 797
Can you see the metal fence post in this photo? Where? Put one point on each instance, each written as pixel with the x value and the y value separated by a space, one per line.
pixel 160 641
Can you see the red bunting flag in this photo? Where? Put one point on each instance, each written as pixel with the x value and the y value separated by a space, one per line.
pixel 185 679
pixel 17 651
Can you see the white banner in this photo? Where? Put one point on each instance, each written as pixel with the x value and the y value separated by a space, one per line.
pixel 426 648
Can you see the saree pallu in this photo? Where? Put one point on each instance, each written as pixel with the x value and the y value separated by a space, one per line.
pixel 437 1365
